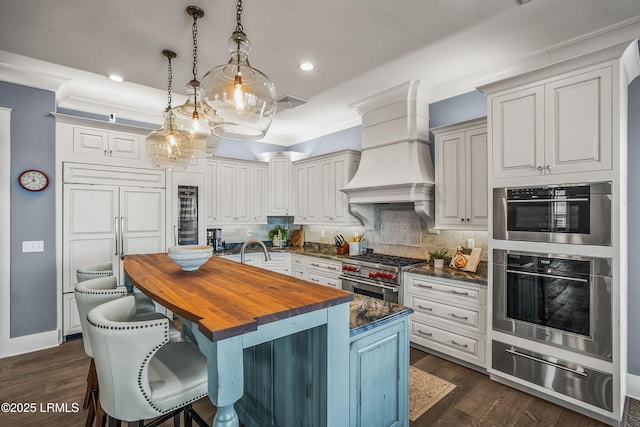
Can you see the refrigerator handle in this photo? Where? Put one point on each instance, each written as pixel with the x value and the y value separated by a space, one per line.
pixel 117 236
pixel 175 235
pixel 121 237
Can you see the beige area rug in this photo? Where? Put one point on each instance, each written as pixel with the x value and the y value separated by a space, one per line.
pixel 425 390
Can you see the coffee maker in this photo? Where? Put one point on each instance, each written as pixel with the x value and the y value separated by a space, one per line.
pixel 214 239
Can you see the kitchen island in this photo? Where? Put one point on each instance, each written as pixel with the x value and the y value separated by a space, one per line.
pixel 229 307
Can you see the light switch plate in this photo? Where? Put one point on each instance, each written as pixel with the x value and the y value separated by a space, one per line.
pixel 32 246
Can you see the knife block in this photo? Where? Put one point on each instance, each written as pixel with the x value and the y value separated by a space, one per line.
pixel 343 250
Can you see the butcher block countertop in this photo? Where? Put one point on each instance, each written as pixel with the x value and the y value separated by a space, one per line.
pixel 226 298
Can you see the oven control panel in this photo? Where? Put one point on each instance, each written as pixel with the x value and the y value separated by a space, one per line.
pixel 374 273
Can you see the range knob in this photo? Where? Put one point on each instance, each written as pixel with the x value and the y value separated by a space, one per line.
pixel 372 275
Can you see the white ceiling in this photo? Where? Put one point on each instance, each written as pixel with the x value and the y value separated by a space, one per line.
pixel 360 47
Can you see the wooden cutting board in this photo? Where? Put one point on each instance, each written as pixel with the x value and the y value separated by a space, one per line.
pixel 297 238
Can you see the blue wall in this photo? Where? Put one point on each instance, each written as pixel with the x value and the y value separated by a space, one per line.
pixel 33 275
pixel 468 106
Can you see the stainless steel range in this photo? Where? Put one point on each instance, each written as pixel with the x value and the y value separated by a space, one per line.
pixel 376 275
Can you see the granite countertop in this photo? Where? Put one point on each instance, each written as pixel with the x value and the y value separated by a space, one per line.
pixel 317 250
pixel 368 313
pixel 479 276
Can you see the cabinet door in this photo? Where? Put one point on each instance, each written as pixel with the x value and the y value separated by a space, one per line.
pixel 211 192
pixel 327 188
pixel 70 316
pixel 258 201
pixel 477 191
pixel 451 158
pixel 306 192
pixel 142 216
pixel 279 186
pixel 517 125
pixel 578 123
pixel 91 218
pixel 93 142
pixel 226 208
pixel 124 146
pixel 243 194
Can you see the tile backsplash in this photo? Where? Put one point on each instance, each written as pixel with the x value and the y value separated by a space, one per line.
pixel 398 230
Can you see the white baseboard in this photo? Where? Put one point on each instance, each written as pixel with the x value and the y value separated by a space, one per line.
pixel 29 343
pixel 633 386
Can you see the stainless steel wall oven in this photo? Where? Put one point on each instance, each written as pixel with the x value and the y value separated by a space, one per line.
pixel 577 213
pixel 561 300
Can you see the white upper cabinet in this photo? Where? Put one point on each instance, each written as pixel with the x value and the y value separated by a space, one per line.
pixel 317 184
pixel 305 184
pixel 236 192
pixel 211 192
pixel 260 188
pixel 94 141
pixel 279 186
pixel 558 127
pixel 461 176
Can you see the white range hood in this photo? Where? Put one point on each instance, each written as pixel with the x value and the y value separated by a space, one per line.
pixel 395 164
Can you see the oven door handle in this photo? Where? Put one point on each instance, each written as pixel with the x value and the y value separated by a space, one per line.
pixel 577 199
pixel 550 276
pixel 546 362
pixel 364 282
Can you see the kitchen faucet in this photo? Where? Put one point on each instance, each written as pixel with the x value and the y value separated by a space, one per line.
pixel 267 257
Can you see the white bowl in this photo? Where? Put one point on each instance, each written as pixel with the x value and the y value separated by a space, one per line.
pixel 190 257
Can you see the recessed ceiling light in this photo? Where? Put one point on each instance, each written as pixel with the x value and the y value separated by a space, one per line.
pixel 116 78
pixel 307 66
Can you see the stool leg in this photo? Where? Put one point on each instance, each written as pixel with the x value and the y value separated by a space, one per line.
pixel 91 414
pixel 101 416
pixel 187 416
pixel 90 380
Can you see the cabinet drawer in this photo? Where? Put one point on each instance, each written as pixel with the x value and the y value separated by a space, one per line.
pixel 324 280
pixel 297 260
pixel 325 265
pixel 458 316
pixel 470 348
pixel 470 295
pixel 297 272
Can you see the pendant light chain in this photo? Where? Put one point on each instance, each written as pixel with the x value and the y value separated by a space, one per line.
pixel 169 83
pixel 239 27
pixel 194 31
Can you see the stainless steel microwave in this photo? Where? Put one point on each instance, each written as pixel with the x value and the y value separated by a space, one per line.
pixel 576 213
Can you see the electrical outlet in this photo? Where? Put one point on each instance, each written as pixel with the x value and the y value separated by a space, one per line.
pixel 249 233
pixel 112 118
pixel 321 233
pixel 33 246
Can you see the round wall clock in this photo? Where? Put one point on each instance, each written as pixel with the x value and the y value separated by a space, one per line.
pixel 33 180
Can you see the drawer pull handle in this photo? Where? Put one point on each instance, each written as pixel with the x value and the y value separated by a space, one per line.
pixel 314 264
pixel 315 280
pixel 459 345
pixel 331 268
pixel 420 331
pixel 455 316
pixel 422 307
pixel 425 286
pixel 459 293
pixel 546 362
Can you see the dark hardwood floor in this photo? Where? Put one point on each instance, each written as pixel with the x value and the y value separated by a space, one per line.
pixel 58 376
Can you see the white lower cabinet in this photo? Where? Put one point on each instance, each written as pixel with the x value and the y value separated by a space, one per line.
pixel 323 271
pixel 279 263
pixel 449 316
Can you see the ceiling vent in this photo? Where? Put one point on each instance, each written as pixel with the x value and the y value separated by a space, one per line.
pixel 289 101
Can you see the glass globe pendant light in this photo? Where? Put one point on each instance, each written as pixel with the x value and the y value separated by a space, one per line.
pixel 243 96
pixel 194 117
pixel 167 147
